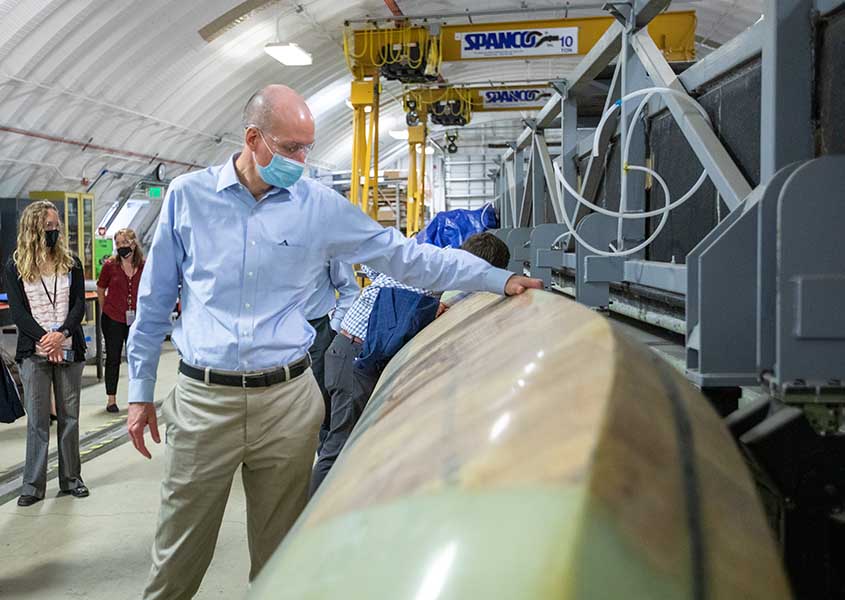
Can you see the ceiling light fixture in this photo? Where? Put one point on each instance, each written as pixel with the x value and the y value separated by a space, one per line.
pixel 290 54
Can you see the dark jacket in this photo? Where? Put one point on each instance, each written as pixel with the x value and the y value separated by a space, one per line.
pixel 29 331
pixel 397 316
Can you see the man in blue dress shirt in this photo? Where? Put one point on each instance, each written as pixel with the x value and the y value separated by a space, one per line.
pixel 246 241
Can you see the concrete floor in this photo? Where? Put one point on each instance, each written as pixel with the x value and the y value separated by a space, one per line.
pixel 92 410
pixel 99 547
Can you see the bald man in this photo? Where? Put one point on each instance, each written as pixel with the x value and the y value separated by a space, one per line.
pixel 246 240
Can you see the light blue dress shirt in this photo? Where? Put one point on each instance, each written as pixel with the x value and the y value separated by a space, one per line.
pixel 246 269
pixel 336 276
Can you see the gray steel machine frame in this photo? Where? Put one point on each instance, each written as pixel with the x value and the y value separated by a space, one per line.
pixel 721 281
pixel 763 291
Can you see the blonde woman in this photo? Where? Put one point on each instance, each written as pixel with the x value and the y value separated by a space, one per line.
pixel 117 289
pixel 46 290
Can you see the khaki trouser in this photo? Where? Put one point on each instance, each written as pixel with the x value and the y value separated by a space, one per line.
pixel 211 430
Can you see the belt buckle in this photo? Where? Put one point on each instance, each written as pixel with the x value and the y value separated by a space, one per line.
pixel 247 376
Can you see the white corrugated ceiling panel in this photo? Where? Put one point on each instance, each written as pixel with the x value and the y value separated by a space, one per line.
pixel 136 76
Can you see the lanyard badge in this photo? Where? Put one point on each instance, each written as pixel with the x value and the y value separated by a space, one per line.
pixel 53 300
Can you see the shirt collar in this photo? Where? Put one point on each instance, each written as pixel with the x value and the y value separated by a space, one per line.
pixel 227 177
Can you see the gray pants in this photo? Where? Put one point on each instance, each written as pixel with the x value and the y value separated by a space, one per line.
pixel 324 337
pixel 350 389
pixel 39 376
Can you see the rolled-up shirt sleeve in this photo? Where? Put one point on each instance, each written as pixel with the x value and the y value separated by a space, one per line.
pixel 343 280
pixel 362 240
pixel 157 296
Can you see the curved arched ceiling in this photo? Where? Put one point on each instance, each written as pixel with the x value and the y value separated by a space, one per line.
pixel 136 76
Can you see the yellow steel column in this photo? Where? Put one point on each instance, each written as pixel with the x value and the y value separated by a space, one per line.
pixel 353 181
pixel 365 194
pixel 416 179
pixel 421 188
pixel 411 212
pixel 374 115
pixel 362 94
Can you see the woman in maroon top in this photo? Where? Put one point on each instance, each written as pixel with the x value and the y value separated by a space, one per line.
pixel 117 290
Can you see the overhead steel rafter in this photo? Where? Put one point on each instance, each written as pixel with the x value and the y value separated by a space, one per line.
pixel 725 175
pixel 593 63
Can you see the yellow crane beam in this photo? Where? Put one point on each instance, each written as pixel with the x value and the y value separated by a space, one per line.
pixel 412 53
pixel 445 102
pixel 674 33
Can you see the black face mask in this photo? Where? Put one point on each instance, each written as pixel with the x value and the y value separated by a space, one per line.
pixel 124 252
pixel 51 237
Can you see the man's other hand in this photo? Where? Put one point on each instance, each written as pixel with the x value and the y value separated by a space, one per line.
pixel 142 414
pixel 518 284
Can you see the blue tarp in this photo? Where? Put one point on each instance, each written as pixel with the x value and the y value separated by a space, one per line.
pixel 452 227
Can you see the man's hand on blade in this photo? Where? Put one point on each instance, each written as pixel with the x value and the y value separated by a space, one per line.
pixel 517 284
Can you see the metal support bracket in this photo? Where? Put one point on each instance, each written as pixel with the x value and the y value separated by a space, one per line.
pixel 560 86
pixel 542 238
pixel 621 11
pixel 810 329
pixel 518 245
pixel 599 231
pixel 603 269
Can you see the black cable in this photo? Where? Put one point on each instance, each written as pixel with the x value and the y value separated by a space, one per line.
pixel 691 484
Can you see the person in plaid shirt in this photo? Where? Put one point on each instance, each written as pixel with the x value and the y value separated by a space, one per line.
pixel 350 388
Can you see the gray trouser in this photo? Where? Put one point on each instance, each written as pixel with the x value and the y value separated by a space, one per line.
pixel 350 389
pixel 39 376
pixel 322 340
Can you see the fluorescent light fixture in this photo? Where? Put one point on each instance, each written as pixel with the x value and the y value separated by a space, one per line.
pixel 398 134
pixel 429 150
pixel 288 54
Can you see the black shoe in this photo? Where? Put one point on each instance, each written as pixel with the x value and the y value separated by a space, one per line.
pixel 112 408
pixel 53 419
pixel 28 500
pixel 80 492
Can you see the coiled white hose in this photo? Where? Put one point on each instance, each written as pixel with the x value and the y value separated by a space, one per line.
pixel 647 94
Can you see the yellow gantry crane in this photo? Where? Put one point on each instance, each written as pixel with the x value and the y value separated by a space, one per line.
pixel 363 191
pixel 416 179
pixel 396 49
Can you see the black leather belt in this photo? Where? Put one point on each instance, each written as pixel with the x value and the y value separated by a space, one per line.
pixel 247 380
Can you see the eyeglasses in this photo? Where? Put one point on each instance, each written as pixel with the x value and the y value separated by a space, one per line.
pixel 286 148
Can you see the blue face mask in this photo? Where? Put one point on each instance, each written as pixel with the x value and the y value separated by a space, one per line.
pixel 282 172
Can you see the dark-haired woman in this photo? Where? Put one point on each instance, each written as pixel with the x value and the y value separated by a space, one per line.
pixel 117 289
